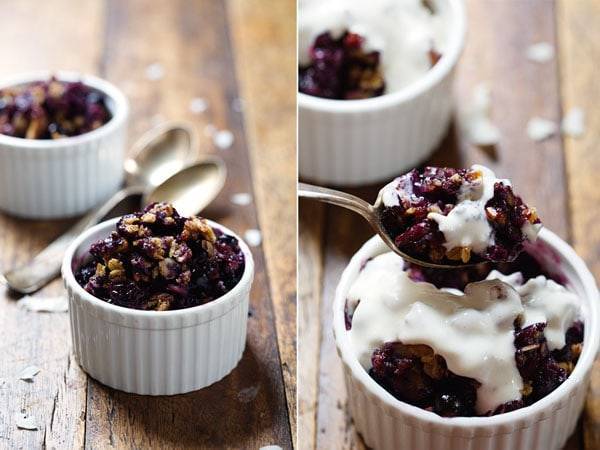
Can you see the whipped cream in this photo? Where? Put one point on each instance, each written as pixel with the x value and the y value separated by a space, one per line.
pixel 404 31
pixel 466 225
pixel 473 330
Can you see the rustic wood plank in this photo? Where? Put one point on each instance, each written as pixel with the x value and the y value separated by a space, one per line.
pixel 271 129
pixel 520 90
pixel 310 260
pixel 579 49
pixel 36 38
pixel 247 408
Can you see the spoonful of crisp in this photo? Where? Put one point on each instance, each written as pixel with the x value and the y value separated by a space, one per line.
pixel 443 217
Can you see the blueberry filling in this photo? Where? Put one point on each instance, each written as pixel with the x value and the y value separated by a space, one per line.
pixel 435 192
pixel 158 260
pixel 51 110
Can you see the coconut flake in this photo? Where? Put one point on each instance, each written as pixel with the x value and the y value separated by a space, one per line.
pixel 253 237
pixel 25 422
pixel 241 199
pixel 209 130
pixel 573 123
pixel 155 71
pixel 237 104
pixel 223 139
pixel 271 447
pixel 248 394
pixel 540 52
pixel 44 304
pixel 475 121
pixel 198 105
pixel 539 129
pixel 28 373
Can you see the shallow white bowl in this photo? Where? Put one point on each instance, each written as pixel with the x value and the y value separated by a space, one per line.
pixel 386 423
pixel 354 142
pixel 48 179
pixel 155 352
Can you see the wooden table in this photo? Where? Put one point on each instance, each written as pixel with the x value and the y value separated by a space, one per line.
pixel 220 51
pixel 559 176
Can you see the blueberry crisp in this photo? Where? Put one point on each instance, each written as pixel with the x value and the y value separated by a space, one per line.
pixel 499 339
pixel 159 260
pixel 51 109
pixel 453 216
pixel 352 49
pixel 342 69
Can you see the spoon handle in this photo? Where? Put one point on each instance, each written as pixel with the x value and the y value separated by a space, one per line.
pixel 338 198
pixel 45 266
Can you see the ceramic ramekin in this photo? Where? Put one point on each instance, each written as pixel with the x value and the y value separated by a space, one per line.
pixel 355 142
pixel 155 352
pixel 386 423
pixel 47 179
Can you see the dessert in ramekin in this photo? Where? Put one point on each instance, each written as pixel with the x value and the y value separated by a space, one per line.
pixel 170 303
pixel 353 142
pixel 62 143
pixel 454 216
pixel 544 421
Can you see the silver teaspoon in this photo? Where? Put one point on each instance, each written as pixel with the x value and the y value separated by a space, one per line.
pixel 368 212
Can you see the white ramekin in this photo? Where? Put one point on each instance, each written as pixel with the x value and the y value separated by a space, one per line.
pixel 155 352
pixel 386 423
pixel 354 142
pixel 47 179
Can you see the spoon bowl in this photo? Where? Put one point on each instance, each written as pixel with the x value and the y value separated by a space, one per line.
pixel 370 213
pixel 161 152
pixel 191 189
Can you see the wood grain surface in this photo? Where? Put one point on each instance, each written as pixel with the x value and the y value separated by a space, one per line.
pixel 194 42
pixel 548 174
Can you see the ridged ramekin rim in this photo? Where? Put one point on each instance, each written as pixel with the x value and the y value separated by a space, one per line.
pixel 239 291
pixel 548 404
pixel 119 113
pixel 433 76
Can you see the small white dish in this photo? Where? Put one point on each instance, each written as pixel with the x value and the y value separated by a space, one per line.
pixel 57 178
pixel 156 352
pixel 386 423
pixel 356 142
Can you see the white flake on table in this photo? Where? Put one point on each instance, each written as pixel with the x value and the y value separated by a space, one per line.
pixel 223 139
pixel 248 394
pixel 573 123
pixel 198 105
pixel 155 71
pixel 44 304
pixel 156 120
pixel 28 373
pixel 237 104
pixel 539 128
pixel 540 52
pixel 209 130
pixel 25 422
pixel 271 447
pixel 475 121
pixel 253 237
pixel 241 199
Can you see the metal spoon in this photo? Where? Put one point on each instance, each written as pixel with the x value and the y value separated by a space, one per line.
pixel 370 213
pixel 157 155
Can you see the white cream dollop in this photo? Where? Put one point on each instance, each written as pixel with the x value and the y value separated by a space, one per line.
pixel 473 331
pixel 404 31
pixel 466 225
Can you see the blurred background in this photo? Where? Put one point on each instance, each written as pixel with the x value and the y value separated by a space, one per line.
pixel 557 173
pixel 223 66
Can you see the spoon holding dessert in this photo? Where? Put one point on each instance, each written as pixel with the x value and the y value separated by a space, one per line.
pixel 444 218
